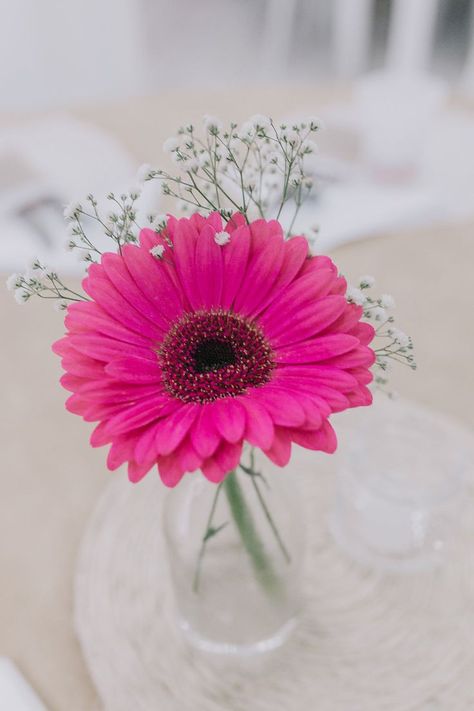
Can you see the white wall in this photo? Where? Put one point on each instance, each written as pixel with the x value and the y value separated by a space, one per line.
pixel 57 52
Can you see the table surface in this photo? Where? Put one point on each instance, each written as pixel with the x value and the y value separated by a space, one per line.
pixel 51 478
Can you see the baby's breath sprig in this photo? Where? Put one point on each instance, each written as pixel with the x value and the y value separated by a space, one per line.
pixel 119 224
pixel 256 168
pixel 391 344
pixel 40 281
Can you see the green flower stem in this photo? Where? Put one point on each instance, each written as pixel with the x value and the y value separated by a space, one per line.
pixel 210 531
pixel 249 535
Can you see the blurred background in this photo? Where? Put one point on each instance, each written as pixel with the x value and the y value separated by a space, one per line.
pixel 89 90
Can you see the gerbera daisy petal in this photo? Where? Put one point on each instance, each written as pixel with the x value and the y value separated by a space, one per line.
pixel 136 472
pixel 120 452
pixel 333 377
pixel 308 322
pixel 225 459
pixel 283 408
pixel 213 471
pixel 360 397
pixel 184 244
pixel 364 332
pixel 229 419
pixel 208 268
pixel 204 434
pixel 170 470
pixel 361 356
pixel 188 457
pixel 260 279
pixel 171 430
pixel 280 451
pixel 323 439
pixel 116 270
pixel 259 429
pixel 298 295
pixel 107 296
pixel 87 317
pixel 153 278
pixel 103 348
pixel 145 447
pixel 317 349
pixel 134 369
pixel 146 411
pixel 236 255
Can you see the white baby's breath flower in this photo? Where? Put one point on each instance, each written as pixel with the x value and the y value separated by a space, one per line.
pixel 144 173
pixel 246 131
pixel 259 121
pixel 291 137
pixel 222 238
pixel 355 296
pixel 157 251
pixel 384 363
pixel 13 282
pixel 309 147
pixel 157 221
pixel 37 270
pixel 399 337
pixel 387 301
pixel 315 123
pixel 212 124
pixel 135 192
pixel 379 314
pixel 21 296
pixel 72 210
pixel 171 145
pixel 366 282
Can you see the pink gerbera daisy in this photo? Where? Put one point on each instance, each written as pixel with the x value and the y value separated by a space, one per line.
pixel 203 337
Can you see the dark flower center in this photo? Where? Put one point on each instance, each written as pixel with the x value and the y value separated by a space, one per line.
pixel 213 354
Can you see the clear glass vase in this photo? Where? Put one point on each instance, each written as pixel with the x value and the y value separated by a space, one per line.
pixel 235 552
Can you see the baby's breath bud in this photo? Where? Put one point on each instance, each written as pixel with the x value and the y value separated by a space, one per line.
pixel 247 131
pixel 399 336
pixel 314 123
pixel 157 251
pixel 14 282
pixel 144 173
pixel 387 301
pixel 355 296
pixel 379 314
pixel 212 124
pixel 135 192
pixel 21 296
pixel 259 121
pixel 157 222
pixel 366 282
pixel 309 147
pixel 72 210
pixel 222 238
pixel 60 305
pixel 171 145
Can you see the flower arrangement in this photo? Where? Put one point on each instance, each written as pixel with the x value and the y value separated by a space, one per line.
pixel 199 336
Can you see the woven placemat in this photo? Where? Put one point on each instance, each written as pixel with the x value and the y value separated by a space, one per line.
pixel 366 641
